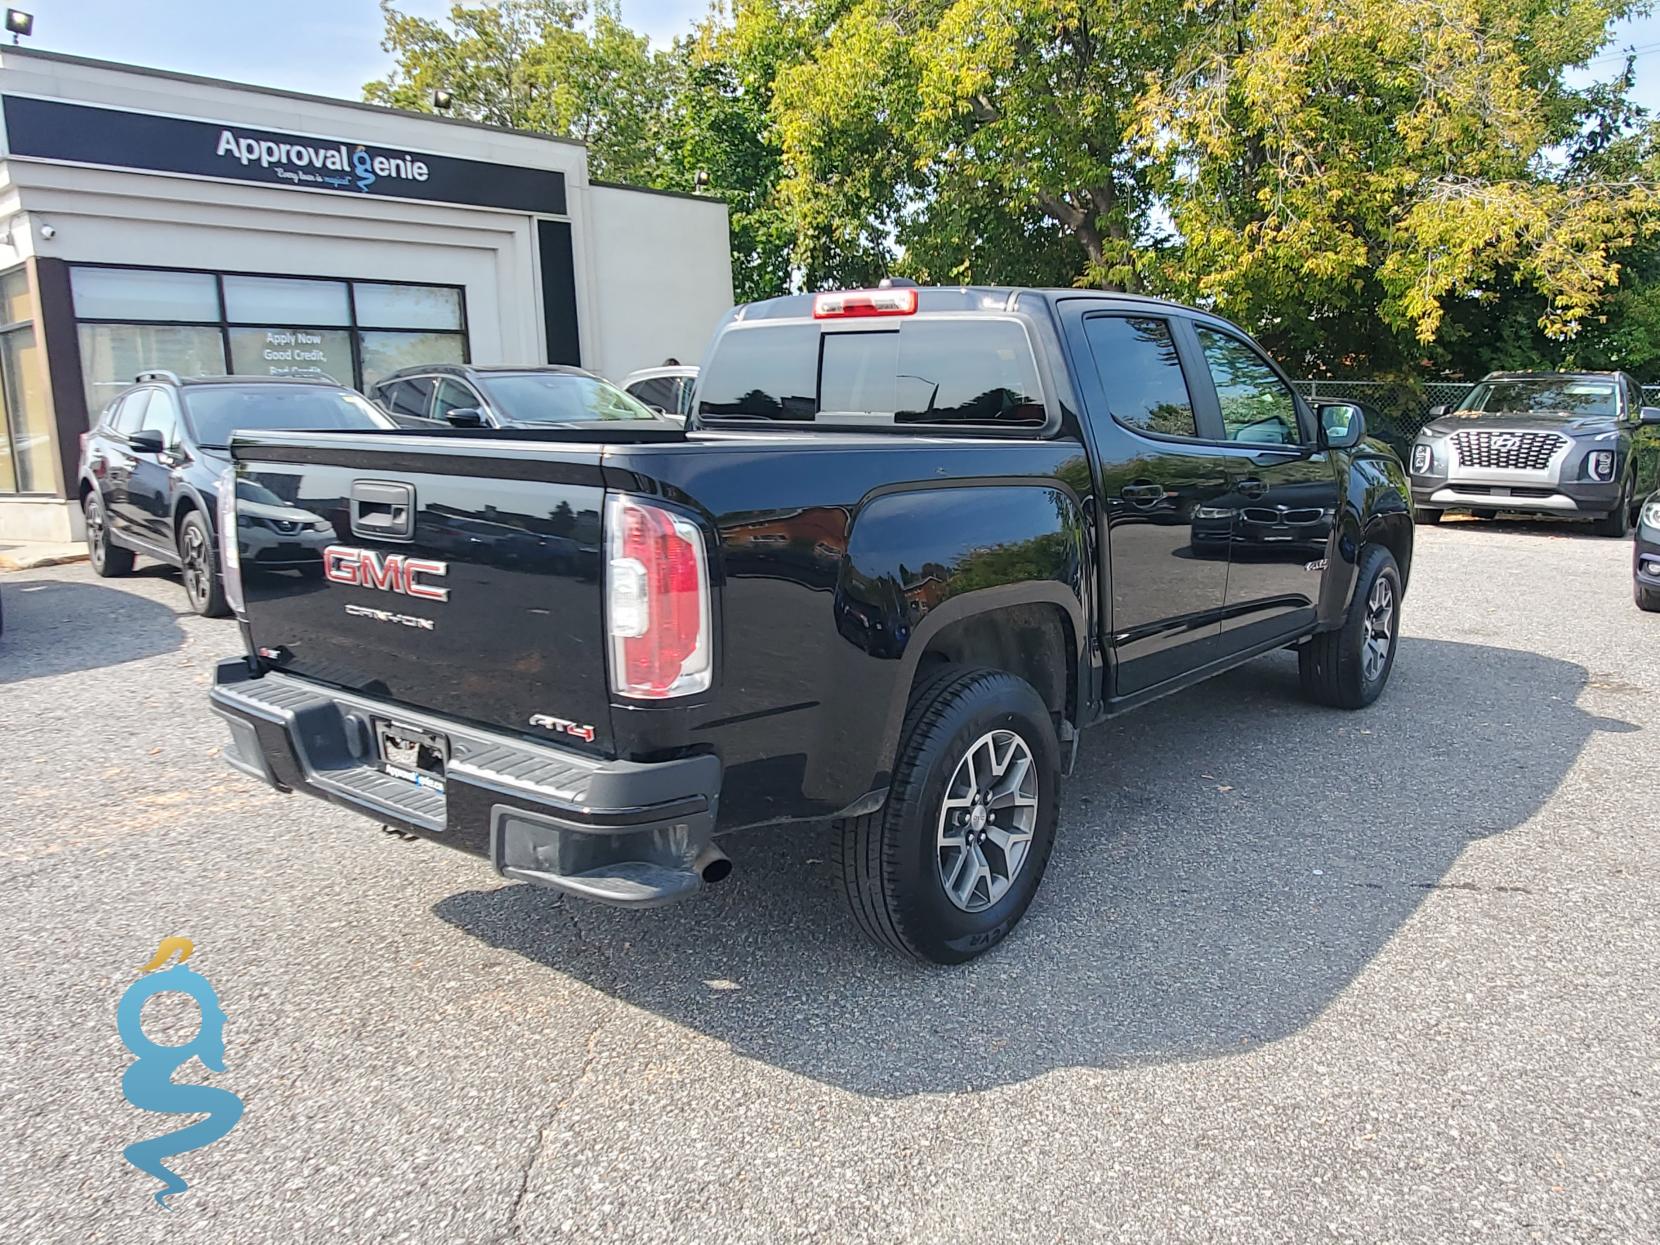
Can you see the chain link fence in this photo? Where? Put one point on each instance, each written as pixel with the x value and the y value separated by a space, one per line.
pixel 1396 410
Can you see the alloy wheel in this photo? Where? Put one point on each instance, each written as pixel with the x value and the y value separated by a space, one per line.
pixel 1380 627
pixel 987 820
pixel 94 531
pixel 198 566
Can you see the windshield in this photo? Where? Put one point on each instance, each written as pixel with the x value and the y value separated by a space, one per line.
pixel 217 411
pixel 1569 395
pixel 560 398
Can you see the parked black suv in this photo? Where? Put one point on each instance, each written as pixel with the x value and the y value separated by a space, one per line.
pixel 150 470
pixel 465 396
pixel 913 542
pixel 1570 444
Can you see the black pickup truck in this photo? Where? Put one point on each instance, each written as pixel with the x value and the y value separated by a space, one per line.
pixel 911 542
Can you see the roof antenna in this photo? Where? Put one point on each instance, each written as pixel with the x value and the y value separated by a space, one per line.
pixel 897 283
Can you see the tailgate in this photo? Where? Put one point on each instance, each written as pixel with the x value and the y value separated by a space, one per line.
pixel 459 579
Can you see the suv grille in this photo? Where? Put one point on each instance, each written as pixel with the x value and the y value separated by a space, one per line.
pixel 1507 451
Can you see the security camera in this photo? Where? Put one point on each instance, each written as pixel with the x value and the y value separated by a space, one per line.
pixel 48 232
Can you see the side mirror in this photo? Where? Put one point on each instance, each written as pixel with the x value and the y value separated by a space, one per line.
pixel 1342 425
pixel 465 417
pixel 1435 412
pixel 1649 415
pixel 145 441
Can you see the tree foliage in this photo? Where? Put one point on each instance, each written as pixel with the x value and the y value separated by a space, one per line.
pixel 1380 187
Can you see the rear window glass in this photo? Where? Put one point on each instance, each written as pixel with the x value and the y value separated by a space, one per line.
pixel 964 372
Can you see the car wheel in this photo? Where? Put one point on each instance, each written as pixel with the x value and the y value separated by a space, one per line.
pixel 196 561
pixel 1484 514
pixel 1617 522
pixel 1647 598
pixel 1348 668
pixel 108 560
pixel 1426 517
pixel 945 869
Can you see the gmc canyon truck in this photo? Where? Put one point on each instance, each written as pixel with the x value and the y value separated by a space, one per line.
pixel 910 544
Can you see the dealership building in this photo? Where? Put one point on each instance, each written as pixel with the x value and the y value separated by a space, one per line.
pixel 158 220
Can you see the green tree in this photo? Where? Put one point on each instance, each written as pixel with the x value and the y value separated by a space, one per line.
pixel 1341 176
pixel 539 65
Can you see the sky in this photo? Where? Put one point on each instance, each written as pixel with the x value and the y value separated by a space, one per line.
pixel 332 47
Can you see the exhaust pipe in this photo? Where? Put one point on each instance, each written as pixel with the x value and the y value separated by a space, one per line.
pixel 712 865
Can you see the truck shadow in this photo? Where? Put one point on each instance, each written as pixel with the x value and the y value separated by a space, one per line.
pixel 57 626
pixel 1230 860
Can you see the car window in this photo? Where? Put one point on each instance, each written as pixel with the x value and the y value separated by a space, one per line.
pixel 215 412
pixel 162 415
pixel 1141 374
pixel 131 412
pixel 683 387
pixel 656 391
pixel 452 396
pixel 560 398
pixel 1554 395
pixel 409 397
pixel 959 371
pixel 1257 406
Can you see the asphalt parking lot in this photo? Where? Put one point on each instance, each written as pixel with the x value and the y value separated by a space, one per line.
pixel 1294 973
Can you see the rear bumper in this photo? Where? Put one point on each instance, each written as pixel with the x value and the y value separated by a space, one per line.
pixel 620 832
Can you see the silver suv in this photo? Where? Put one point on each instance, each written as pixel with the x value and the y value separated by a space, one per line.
pixel 1574 444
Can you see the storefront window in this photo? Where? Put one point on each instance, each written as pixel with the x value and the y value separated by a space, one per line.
pixel 113 354
pixel 407 306
pixel 385 353
pixel 26 441
pixel 275 300
pixel 143 294
pixel 204 323
pixel 286 351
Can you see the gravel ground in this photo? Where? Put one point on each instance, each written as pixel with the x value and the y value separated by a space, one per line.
pixel 1294 974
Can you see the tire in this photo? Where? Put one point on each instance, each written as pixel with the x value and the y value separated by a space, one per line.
pixel 1426 518
pixel 109 560
pixel 1617 522
pixel 1484 514
pixel 895 863
pixel 200 568
pixel 1333 666
pixel 1647 598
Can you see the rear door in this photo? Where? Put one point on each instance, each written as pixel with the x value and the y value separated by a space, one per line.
pixel 1168 539
pixel 122 462
pixel 462 579
pixel 1283 490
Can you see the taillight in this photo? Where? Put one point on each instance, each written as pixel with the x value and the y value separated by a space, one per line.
pixel 84 437
pixel 900 301
pixel 230 557
pixel 657 601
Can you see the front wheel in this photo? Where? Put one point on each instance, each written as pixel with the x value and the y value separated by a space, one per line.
pixel 1348 668
pixel 201 578
pixel 1617 522
pixel 945 869
pixel 1648 599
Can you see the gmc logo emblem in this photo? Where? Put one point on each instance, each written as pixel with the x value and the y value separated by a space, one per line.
pixel 388 572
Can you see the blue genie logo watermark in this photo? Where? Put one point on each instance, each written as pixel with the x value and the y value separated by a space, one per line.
pixel 364 166
pixel 148 1084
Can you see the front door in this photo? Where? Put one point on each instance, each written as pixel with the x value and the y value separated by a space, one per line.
pixel 1162 490
pixel 1283 492
pixel 150 484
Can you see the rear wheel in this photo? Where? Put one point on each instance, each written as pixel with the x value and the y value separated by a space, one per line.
pixel 1484 514
pixel 108 559
pixel 950 863
pixel 1349 667
pixel 1422 515
pixel 201 578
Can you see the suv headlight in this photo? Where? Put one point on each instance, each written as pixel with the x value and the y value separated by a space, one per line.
pixel 1650 516
pixel 1600 463
pixel 1423 458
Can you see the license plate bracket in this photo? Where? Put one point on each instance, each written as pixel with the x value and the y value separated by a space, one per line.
pixel 417 756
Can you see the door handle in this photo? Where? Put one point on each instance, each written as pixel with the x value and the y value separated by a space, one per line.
pixel 1142 494
pixel 1251 486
